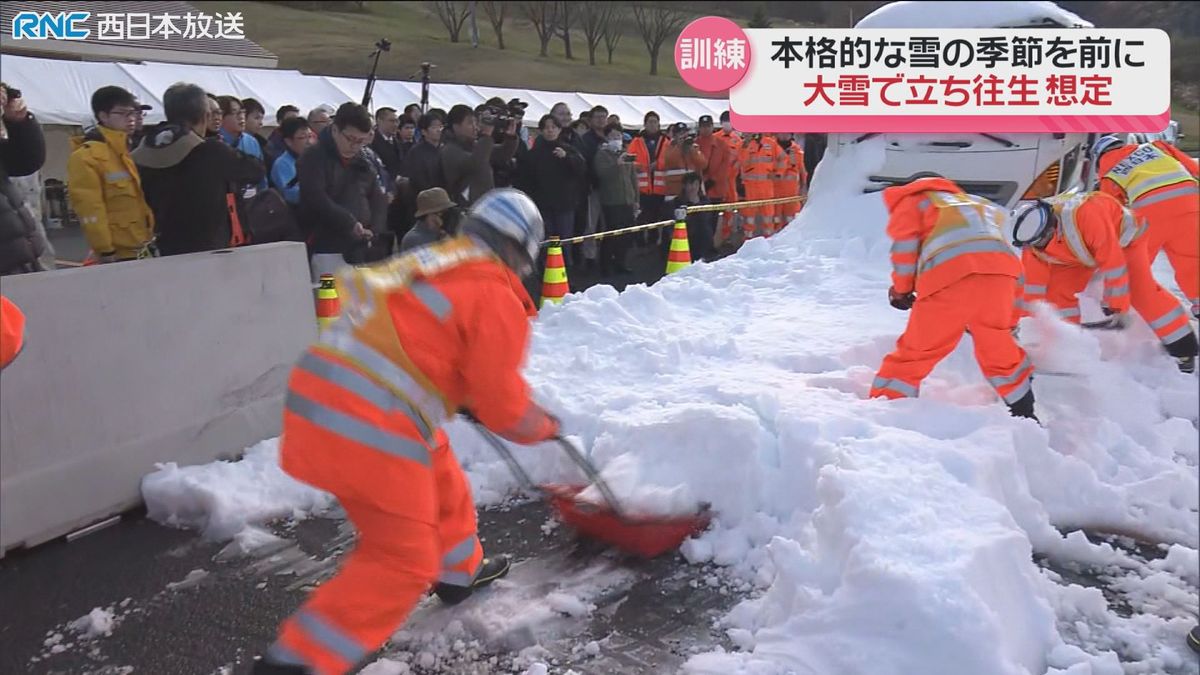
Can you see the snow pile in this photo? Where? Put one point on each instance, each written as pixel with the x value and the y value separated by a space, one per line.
pixel 1005 14
pixel 222 498
pixel 887 536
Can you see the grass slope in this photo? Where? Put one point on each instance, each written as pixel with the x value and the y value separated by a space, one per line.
pixel 339 43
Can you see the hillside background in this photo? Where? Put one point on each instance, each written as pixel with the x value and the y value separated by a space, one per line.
pixel 336 38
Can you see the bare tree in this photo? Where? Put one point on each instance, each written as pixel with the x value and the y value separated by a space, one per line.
pixel 566 17
pixel 453 16
pixel 656 24
pixel 595 18
pixel 544 17
pixel 611 32
pixel 497 12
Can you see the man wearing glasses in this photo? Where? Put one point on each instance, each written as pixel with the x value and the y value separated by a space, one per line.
pixel 103 181
pixel 342 206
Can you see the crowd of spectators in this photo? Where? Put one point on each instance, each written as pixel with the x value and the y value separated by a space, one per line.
pixel 357 187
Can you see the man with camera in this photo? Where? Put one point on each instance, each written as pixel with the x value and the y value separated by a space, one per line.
pixel 470 151
pixel 23 241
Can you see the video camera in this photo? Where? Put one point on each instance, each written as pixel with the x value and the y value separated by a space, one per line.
pixel 499 117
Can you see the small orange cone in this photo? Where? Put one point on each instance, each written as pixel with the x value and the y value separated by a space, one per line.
pixel 680 256
pixel 554 281
pixel 329 307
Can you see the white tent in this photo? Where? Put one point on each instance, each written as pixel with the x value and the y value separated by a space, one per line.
pixel 60 91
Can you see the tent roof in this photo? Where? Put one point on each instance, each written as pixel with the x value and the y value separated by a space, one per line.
pixel 60 91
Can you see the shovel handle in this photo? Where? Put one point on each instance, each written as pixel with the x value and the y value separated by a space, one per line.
pixel 576 456
pixel 593 475
pixel 506 455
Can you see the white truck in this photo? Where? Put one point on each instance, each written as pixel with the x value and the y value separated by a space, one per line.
pixel 1005 168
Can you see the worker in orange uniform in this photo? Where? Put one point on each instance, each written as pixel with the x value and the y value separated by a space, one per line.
pixel 1158 182
pixel 12 331
pixel 791 180
pixel 760 159
pixel 1071 237
pixel 734 140
pixel 649 151
pixel 953 269
pixel 717 184
pixel 422 335
pixel 683 156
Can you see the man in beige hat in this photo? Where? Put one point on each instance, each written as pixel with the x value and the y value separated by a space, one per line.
pixel 435 219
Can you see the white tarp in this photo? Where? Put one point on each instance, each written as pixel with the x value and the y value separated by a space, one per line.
pixel 60 92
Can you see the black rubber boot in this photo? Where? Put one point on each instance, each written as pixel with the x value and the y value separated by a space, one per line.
pixel 1024 407
pixel 1193 639
pixel 1184 350
pixel 265 667
pixel 491 570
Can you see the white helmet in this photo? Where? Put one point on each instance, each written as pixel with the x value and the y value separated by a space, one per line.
pixel 1035 224
pixel 512 214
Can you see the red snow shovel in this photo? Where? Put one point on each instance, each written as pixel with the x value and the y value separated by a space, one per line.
pixel 645 536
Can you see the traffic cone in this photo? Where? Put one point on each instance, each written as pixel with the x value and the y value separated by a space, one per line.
pixel 680 256
pixel 328 305
pixel 554 280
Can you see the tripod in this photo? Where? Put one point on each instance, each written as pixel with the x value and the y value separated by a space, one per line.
pixel 384 45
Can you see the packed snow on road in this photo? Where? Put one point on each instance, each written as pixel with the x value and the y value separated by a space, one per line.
pixel 922 535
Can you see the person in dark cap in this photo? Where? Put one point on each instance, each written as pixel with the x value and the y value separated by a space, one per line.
pixel 718 176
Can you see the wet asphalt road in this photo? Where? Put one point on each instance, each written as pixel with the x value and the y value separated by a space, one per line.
pixel 183 610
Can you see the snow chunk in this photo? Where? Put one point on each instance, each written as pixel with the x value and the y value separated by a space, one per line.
pixel 96 623
pixel 222 498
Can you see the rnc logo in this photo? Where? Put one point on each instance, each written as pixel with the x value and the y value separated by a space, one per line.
pixel 46 25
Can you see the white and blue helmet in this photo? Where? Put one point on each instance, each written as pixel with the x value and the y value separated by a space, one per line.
pixel 1106 143
pixel 511 213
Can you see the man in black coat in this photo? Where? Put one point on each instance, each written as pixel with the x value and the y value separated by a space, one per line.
pixel 554 171
pixel 189 182
pixel 423 164
pixel 341 202
pixel 22 152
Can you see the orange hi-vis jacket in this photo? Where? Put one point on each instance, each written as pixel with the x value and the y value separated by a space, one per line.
pixel 941 234
pixel 721 166
pixel 651 171
pixel 12 331
pixel 1141 175
pixel 421 336
pixel 677 164
pixel 793 175
pixel 760 160
pixel 1093 228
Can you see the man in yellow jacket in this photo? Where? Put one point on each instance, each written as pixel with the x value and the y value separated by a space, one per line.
pixel 103 181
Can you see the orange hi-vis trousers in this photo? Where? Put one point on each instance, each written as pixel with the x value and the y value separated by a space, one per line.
pixel 758 221
pixel 406 495
pixel 980 303
pixel 1152 302
pixel 1175 228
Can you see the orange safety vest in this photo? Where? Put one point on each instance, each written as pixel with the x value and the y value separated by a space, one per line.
pixel 941 234
pixel 792 171
pixel 12 331
pixel 760 162
pixel 1147 173
pixel 651 180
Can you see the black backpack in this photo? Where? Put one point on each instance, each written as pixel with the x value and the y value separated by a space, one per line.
pixel 269 218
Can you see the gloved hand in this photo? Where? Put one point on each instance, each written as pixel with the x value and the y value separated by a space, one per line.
pixel 901 301
pixel 1113 321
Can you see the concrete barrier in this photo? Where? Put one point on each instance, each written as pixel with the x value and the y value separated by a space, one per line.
pixel 181 359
